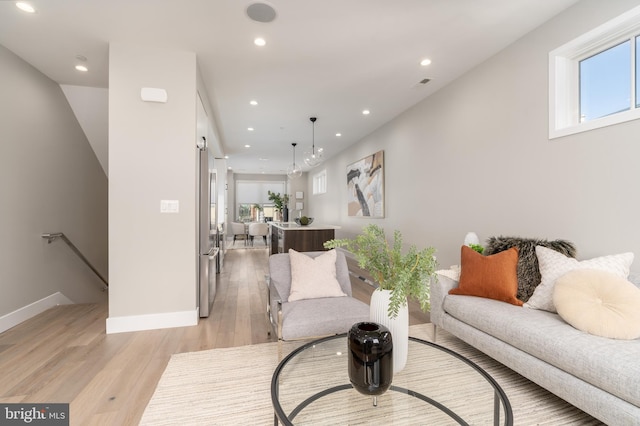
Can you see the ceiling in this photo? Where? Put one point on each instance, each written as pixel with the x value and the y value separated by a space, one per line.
pixel 330 59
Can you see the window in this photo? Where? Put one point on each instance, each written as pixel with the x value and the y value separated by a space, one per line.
pixel 637 82
pixel 594 79
pixel 252 200
pixel 605 82
pixel 255 212
pixel 320 182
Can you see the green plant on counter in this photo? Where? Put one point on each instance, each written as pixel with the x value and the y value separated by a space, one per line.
pixel 279 201
pixel 406 275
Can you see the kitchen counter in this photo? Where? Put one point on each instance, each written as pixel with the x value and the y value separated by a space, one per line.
pixel 290 235
pixel 293 225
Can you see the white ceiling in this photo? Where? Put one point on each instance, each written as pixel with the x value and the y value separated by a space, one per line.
pixel 325 58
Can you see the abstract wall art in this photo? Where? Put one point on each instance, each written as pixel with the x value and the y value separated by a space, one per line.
pixel 365 186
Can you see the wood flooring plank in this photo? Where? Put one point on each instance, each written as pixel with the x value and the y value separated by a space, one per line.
pixel 83 406
pixel 13 399
pixel 79 372
pixel 29 358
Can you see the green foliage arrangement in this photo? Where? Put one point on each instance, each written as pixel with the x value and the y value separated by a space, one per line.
pixel 406 275
pixel 279 201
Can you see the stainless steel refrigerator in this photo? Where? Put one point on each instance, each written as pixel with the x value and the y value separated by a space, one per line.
pixel 207 229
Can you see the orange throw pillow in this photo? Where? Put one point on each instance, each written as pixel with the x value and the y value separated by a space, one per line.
pixel 493 277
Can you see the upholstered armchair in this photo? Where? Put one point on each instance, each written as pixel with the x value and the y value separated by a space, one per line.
pixel 313 306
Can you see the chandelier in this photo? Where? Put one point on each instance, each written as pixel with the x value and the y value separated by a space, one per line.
pixel 314 157
pixel 294 171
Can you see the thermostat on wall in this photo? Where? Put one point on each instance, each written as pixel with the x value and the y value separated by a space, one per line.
pixel 151 94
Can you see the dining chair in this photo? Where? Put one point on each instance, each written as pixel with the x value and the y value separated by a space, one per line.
pixel 257 230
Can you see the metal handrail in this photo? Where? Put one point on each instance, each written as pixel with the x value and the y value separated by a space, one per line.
pixel 55 235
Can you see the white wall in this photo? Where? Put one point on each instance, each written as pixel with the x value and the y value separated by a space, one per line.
pixel 91 108
pixel 50 181
pixel 296 185
pixel 475 156
pixel 152 157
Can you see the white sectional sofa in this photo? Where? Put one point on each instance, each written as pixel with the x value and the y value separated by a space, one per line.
pixel 598 375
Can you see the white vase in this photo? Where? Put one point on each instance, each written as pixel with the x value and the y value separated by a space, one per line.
pixel 398 326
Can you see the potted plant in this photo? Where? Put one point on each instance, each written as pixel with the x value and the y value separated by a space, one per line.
pixel 399 275
pixel 405 275
pixel 280 203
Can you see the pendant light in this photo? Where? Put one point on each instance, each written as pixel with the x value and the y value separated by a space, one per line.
pixel 313 157
pixel 294 171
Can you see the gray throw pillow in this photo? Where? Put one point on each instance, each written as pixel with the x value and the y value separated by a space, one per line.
pixel 528 269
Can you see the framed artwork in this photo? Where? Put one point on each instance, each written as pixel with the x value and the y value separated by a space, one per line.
pixel 299 195
pixel 365 187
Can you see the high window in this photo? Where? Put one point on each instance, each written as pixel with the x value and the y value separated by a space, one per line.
pixel 593 80
pixel 320 182
pixel 605 82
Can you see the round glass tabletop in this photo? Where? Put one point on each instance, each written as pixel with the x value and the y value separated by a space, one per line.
pixel 438 386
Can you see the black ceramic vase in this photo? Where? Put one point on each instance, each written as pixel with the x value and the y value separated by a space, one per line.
pixel 285 214
pixel 370 358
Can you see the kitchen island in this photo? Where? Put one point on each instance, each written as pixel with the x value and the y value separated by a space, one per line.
pixel 286 235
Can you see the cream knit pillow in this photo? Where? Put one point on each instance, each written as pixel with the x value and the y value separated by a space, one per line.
pixel 599 303
pixel 553 265
pixel 312 278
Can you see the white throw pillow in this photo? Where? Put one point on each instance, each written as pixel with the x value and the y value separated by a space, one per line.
pixel 312 278
pixel 599 303
pixel 553 265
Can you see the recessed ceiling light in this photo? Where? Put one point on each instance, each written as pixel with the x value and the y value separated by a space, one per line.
pixel 229 168
pixel 366 112
pixel 82 68
pixel 338 135
pixel 226 157
pixel 259 41
pixel 25 7
pixel 254 103
pixel 250 129
pixel 247 146
pixel 425 62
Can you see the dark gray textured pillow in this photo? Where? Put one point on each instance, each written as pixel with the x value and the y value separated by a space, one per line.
pixel 528 270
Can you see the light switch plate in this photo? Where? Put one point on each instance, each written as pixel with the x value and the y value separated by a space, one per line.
pixel 169 206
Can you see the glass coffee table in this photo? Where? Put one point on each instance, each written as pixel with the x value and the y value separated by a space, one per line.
pixel 438 386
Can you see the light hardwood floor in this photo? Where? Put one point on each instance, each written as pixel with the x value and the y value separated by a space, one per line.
pixel 64 355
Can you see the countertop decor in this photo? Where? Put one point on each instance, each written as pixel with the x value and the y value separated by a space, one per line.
pixel 301 222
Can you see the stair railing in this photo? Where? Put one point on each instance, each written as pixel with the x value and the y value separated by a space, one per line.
pixel 51 237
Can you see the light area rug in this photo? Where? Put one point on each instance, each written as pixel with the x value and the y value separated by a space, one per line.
pixel 231 386
pixel 258 244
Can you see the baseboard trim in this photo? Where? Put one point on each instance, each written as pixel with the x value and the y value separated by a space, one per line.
pixel 18 316
pixel 152 321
